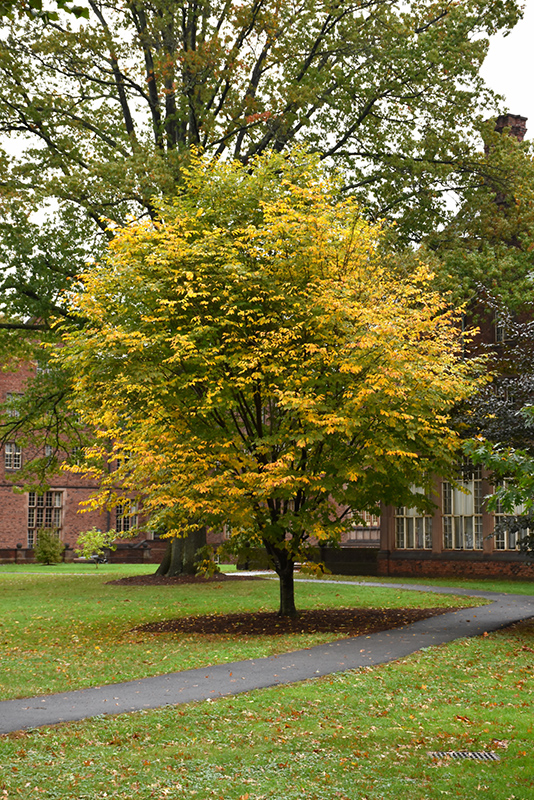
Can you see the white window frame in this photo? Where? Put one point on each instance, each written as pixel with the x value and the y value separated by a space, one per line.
pixel 368 530
pixel 413 530
pixel 507 540
pixel 126 521
pixel 500 329
pixel 44 511
pixel 461 508
pixel 11 400
pixel 12 456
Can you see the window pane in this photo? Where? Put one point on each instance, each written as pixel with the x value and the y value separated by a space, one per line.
pixel 447 533
pixel 419 532
pixel 458 533
pixel 447 498
pixel 468 533
pixel 399 540
pixel 478 497
pixel 428 532
pixel 409 532
pixel 478 533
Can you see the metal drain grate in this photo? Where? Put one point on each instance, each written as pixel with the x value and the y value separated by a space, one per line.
pixel 482 755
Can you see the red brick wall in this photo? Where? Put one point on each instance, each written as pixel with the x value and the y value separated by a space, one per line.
pixel 449 568
pixel 14 505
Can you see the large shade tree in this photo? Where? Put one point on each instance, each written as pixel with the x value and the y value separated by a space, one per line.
pixel 484 255
pixel 256 360
pixel 100 112
pixel 99 109
pixel 38 9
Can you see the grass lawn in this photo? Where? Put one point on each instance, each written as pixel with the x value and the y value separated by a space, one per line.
pixel 361 735
pixel 66 627
pixel 483 584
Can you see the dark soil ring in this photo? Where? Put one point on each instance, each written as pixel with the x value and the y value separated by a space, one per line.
pixel 352 621
pixel 178 580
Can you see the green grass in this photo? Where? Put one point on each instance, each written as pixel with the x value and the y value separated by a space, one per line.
pixel 483 584
pixel 117 570
pixel 63 629
pixel 88 568
pixel 362 735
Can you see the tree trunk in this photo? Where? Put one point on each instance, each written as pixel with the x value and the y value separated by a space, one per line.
pixel 191 544
pixel 287 592
pixel 180 555
pixel 173 561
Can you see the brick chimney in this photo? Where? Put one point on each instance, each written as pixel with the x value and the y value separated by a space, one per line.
pixel 516 124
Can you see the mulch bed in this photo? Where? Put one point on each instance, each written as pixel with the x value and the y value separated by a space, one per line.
pixel 160 580
pixel 350 621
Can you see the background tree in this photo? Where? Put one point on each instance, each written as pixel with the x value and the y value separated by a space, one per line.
pixel 101 112
pixel 93 543
pixel 513 497
pixel 260 363
pixel 35 9
pixel 485 255
pixel 494 412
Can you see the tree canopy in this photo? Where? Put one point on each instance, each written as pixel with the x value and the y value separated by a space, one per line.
pixel 35 9
pixel 102 112
pixel 512 472
pixel 256 360
pixel 485 255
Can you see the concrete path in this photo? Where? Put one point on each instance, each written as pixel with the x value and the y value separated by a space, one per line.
pixel 209 683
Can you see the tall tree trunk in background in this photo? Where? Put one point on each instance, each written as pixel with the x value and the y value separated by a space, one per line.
pixel 180 555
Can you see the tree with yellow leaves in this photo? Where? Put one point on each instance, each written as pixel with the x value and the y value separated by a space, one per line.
pixel 262 363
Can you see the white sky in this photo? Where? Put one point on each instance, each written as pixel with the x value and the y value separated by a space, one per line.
pixel 509 68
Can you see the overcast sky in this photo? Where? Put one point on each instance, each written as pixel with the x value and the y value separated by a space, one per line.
pixel 509 68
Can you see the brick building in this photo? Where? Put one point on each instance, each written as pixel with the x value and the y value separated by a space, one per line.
pixel 22 513
pixel 458 538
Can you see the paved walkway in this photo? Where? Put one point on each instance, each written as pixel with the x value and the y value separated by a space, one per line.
pixel 209 683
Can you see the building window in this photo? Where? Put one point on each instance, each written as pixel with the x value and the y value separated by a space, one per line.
pixel 413 530
pixel 462 512
pixel 44 511
pixel 76 456
pixel 12 399
pixel 122 460
pixel 367 530
pixel 13 456
pixel 41 367
pixel 125 518
pixel 369 520
pixel 503 538
pixel 500 329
